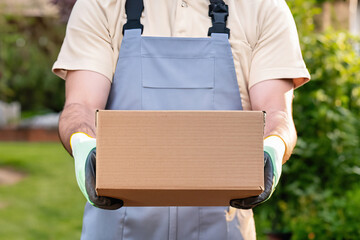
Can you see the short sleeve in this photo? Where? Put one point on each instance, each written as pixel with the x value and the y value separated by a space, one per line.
pixel 277 53
pixel 87 44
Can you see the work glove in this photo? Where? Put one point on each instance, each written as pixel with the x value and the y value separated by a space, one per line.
pixel 84 153
pixel 274 150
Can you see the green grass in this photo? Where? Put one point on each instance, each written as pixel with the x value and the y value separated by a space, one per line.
pixel 46 204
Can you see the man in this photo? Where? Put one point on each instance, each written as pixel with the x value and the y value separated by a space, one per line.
pixel 166 62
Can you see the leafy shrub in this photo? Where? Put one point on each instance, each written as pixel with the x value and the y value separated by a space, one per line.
pixel 319 191
pixel 319 185
pixel 327 112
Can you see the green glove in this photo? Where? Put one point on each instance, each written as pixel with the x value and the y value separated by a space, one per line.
pixel 274 150
pixel 84 153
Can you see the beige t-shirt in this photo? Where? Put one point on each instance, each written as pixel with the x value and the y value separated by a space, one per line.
pixel 263 37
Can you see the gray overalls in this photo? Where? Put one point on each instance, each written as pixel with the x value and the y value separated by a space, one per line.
pixel 170 73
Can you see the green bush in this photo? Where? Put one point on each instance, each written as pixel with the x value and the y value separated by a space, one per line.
pixel 319 189
pixel 28 48
pixel 326 161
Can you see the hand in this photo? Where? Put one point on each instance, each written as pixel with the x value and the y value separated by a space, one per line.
pixel 274 150
pixel 84 153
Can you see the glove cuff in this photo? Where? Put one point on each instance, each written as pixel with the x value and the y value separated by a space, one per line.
pixel 275 147
pixel 275 144
pixel 79 137
pixel 81 145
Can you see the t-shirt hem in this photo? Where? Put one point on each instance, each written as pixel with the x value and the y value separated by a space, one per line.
pixel 299 76
pixel 61 68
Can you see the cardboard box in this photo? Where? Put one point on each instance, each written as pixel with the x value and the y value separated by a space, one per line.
pixel 179 158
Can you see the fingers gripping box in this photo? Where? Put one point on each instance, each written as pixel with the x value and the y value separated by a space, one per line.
pixel 179 158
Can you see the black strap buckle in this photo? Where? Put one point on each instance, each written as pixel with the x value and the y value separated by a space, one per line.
pixel 219 13
pixel 133 24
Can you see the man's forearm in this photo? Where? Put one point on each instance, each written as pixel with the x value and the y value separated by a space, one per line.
pixel 275 97
pixel 76 118
pixel 281 124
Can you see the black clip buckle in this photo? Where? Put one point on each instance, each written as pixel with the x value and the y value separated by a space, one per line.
pixel 133 24
pixel 218 8
pixel 219 13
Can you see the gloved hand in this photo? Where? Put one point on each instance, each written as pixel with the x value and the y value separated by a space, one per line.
pixel 274 150
pixel 84 153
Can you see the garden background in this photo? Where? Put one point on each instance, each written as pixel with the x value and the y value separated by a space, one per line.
pixel 318 196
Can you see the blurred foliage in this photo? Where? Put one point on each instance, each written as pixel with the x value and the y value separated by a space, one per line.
pixel 65 7
pixel 28 48
pixel 303 13
pixel 319 191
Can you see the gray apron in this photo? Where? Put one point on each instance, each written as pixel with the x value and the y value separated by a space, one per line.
pixel 168 73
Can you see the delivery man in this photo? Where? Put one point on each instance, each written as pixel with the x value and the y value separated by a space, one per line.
pixel 177 55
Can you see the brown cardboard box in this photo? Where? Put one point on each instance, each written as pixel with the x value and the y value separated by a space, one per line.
pixel 179 158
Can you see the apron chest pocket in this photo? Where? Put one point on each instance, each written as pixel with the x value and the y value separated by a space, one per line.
pixel 170 83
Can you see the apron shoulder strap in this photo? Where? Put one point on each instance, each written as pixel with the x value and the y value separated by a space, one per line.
pixel 218 11
pixel 133 9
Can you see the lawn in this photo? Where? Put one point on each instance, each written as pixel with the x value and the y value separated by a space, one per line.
pixel 46 204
